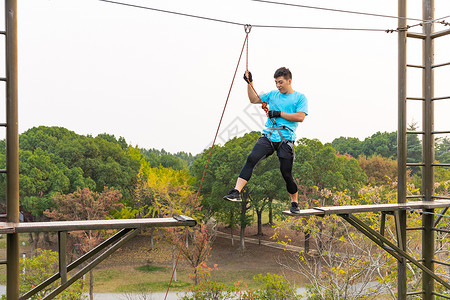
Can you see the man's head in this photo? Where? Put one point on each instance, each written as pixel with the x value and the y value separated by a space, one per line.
pixel 283 79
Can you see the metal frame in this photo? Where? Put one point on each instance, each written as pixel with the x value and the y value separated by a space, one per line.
pixel 129 228
pixel 429 202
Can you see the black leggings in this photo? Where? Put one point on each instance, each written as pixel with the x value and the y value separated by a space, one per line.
pixel 264 148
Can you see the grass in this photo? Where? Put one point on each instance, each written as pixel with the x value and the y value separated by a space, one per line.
pixel 149 268
pixel 146 278
pixel 149 286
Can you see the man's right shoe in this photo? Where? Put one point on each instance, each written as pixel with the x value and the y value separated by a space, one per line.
pixel 234 196
pixel 294 208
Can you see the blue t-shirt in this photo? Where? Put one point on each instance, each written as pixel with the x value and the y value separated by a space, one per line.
pixel 289 103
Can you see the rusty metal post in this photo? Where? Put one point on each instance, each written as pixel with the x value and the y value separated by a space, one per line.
pixel 401 146
pixel 12 150
pixel 428 235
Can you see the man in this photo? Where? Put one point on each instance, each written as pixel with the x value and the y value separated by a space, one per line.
pixel 287 109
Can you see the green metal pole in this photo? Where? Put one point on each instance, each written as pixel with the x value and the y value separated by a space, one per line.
pixel 12 150
pixel 401 146
pixel 428 234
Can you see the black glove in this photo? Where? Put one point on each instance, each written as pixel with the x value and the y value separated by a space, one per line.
pixel 274 114
pixel 249 79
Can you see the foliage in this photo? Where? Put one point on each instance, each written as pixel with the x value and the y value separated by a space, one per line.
pixel 382 143
pixel 379 170
pixel 319 165
pixel 161 158
pixel 208 289
pixel 443 149
pixel 275 287
pixel 39 268
pixel 343 263
pixel 164 192
pixel 84 204
pixel 199 247
pixel 223 169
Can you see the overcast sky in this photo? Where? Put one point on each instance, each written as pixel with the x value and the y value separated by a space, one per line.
pixel 161 80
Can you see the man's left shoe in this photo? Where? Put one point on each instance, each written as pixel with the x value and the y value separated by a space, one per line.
pixel 294 208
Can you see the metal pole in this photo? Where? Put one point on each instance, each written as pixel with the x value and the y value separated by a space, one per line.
pixel 62 240
pixel 401 147
pixel 428 234
pixel 12 150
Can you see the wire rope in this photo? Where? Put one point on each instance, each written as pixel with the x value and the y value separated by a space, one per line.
pixel 337 10
pixel 238 23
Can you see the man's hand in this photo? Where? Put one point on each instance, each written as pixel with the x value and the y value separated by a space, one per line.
pixel 274 114
pixel 248 77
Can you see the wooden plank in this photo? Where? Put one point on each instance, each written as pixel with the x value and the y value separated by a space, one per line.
pixel 6 227
pixel 98 224
pixel 350 209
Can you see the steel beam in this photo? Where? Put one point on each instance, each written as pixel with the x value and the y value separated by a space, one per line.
pixel 62 238
pixel 91 265
pixel 428 235
pixel 401 139
pixel 115 238
pixel 12 150
pixel 391 247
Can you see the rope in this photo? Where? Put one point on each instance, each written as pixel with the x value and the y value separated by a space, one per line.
pixel 293 27
pixel 207 163
pixel 237 23
pixel 427 213
pixel 338 10
pixel 248 28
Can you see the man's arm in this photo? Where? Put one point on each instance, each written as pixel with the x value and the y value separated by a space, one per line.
pixel 252 95
pixel 294 117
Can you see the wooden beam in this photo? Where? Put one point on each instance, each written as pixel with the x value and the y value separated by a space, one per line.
pixel 350 209
pixel 95 224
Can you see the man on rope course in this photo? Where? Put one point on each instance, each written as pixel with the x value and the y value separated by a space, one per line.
pixel 287 109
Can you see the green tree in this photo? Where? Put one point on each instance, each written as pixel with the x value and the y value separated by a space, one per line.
pixel 349 145
pixel 379 170
pixel 84 204
pixel 443 149
pixel 223 169
pixel 41 267
pixel 320 165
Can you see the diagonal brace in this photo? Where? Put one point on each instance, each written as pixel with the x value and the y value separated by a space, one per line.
pixel 76 263
pixel 92 264
pixel 379 240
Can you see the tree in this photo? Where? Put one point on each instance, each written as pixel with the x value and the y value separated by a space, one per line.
pixel 84 204
pixel 443 149
pixel 320 165
pixel 199 247
pixel 379 170
pixel 352 146
pixel 41 267
pixel 223 169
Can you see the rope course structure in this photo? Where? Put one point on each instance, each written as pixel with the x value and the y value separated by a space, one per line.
pixel 129 228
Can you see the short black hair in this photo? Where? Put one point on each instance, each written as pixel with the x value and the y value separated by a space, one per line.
pixel 285 72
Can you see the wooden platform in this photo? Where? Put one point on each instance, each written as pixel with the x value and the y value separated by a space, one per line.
pixel 95 224
pixel 351 209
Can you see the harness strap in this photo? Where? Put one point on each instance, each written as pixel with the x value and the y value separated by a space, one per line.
pixel 278 129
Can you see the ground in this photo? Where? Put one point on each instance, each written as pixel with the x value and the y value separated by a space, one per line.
pixel 118 273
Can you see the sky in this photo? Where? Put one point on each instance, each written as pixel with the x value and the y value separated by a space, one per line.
pixel 161 80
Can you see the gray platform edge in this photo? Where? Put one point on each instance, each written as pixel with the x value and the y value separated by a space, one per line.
pixel 95 224
pixel 350 209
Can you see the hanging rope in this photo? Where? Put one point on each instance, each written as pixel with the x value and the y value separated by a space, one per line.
pixel 209 156
pixel 247 29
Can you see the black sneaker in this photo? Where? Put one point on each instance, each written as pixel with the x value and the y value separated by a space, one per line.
pixel 234 196
pixel 294 208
